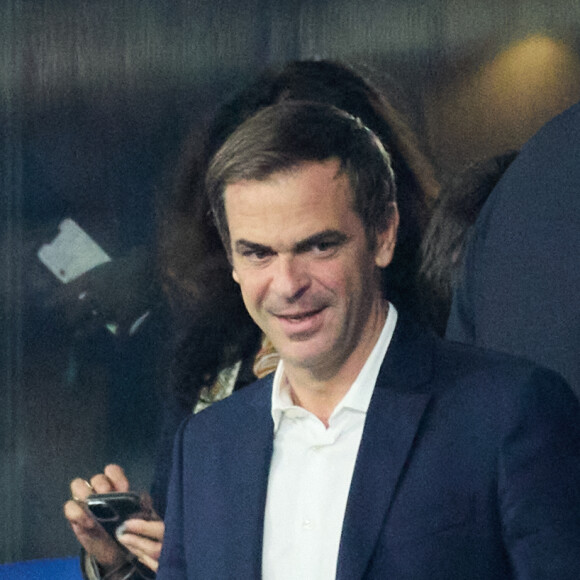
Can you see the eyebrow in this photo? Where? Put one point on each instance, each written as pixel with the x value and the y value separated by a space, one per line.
pixel 245 246
pixel 334 236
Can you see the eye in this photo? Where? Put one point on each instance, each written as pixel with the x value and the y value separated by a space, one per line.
pixel 324 248
pixel 257 255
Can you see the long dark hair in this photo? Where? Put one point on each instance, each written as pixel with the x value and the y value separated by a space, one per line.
pixel 197 274
pixel 460 200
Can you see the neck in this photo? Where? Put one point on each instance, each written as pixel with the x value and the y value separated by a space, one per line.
pixel 320 390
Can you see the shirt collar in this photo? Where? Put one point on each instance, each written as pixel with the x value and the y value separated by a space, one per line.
pixel 359 395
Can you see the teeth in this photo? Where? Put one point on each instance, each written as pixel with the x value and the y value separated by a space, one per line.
pixel 298 317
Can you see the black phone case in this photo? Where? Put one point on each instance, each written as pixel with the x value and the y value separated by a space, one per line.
pixel 112 509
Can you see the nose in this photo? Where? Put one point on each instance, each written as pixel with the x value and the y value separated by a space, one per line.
pixel 290 278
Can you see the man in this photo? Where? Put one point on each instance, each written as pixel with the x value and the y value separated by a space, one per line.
pixel 376 450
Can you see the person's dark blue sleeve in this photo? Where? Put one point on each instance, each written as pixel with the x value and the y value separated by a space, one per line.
pixel 172 564
pixel 175 413
pixel 518 290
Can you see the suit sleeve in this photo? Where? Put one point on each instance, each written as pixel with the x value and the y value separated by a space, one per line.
pixel 539 481
pixel 174 414
pixel 518 290
pixel 172 564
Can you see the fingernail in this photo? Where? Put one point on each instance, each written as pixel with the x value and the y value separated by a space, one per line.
pixel 120 531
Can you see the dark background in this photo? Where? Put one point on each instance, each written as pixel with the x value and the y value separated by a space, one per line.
pixel 96 97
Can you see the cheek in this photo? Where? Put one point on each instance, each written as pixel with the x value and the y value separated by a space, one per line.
pixel 334 278
pixel 253 289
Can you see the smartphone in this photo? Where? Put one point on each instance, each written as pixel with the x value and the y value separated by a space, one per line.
pixel 112 509
pixel 72 252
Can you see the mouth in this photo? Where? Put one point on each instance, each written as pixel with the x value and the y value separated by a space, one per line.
pixel 300 323
pixel 299 316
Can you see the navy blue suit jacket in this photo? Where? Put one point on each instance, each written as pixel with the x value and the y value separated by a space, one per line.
pixel 520 285
pixel 468 468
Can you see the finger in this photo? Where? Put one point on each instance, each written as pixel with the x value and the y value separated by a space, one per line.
pixel 86 529
pixel 117 477
pixel 150 529
pixel 75 514
pixel 92 536
pixel 149 562
pixel 102 484
pixel 147 551
pixel 80 489
pixel 82 522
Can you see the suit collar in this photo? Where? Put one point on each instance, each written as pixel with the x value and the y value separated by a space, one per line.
pixel 396 409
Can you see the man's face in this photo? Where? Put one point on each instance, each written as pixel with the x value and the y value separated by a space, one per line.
pixel 302 259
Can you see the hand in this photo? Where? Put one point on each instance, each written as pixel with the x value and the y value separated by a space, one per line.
pixel 144 539
pixel 89 533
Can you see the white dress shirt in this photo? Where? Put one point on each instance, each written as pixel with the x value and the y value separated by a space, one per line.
pixel 310 474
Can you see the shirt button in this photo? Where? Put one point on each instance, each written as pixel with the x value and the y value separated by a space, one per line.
pixel 307 524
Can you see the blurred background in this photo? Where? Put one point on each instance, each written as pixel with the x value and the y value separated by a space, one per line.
pixel 96 98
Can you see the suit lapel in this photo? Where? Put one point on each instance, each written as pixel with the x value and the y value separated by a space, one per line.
pixel 392 421
pixel 241 491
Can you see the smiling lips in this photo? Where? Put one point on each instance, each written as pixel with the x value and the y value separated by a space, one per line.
pixel 299 315
pixel 300 321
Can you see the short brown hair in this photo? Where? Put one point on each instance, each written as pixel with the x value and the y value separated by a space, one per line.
pixel 282 136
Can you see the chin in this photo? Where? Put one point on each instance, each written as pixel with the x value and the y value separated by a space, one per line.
pixel 306 357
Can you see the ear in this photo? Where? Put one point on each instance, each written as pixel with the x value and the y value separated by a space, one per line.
pixel 387 240
pixel 235 276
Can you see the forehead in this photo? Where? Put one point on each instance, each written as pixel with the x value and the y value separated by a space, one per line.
pixel 291 205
